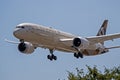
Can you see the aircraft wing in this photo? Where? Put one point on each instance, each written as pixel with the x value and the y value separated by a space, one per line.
pixel 102 38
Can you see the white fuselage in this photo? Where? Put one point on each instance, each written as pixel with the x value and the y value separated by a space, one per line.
pixel 46 37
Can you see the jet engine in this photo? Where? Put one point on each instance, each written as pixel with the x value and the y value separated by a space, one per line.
pixel 26 48
pixel 80 42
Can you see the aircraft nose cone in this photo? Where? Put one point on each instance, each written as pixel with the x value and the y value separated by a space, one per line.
pixel 16 32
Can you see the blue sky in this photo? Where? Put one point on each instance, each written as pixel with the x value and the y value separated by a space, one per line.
pixel 79 17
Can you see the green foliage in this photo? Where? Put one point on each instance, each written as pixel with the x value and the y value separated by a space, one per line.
pixel 95 74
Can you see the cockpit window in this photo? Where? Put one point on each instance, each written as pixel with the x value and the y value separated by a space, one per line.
pixel 20 27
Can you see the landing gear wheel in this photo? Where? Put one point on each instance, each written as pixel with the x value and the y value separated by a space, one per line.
pixel 77 55
pixel 51 57
pixel 55 57
pixel 48 56
pixel 80 55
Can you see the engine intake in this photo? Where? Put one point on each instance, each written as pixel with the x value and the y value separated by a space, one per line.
pixel 80 42
pixel 26 48
pixel 76 42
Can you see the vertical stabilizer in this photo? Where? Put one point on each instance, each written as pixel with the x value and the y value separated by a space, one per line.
pixel 102 30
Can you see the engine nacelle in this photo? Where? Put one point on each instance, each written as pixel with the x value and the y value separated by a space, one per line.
pixel 80 42
pixel 26 48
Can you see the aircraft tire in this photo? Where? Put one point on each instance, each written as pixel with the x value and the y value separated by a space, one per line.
pixel 51 57
pixel 55 58
pixel 76 55
pixel 80 55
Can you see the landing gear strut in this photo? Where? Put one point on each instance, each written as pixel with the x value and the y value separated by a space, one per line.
pixel 22 40
pixel 52 56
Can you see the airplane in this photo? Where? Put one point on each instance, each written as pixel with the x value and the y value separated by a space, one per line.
pixel 32 36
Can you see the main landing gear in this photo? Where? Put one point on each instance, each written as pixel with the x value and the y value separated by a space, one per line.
pixel 77 55
pixel 51 56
